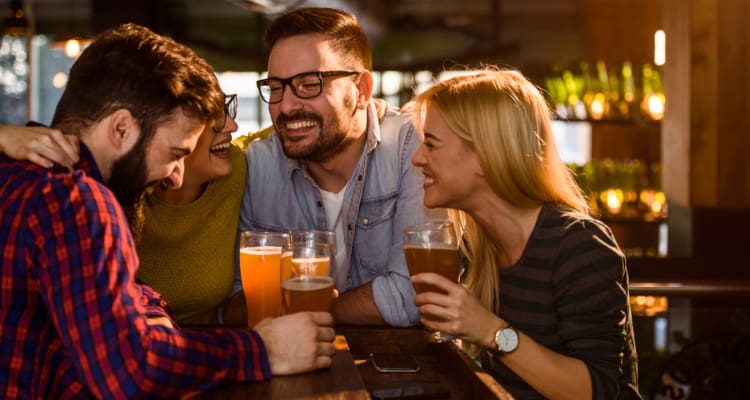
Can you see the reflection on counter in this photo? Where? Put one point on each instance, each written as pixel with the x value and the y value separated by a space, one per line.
pixel 692 346
pixel 692 326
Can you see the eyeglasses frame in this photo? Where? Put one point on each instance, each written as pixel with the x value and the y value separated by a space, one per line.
pixel 288 82
pixel 230 110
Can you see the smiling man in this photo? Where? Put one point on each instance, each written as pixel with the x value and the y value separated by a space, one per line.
pixel 332 165
pixel 74 323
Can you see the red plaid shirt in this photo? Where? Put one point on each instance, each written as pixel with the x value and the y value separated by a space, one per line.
pixel 72 317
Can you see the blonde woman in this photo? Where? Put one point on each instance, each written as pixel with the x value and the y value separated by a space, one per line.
pixel 545 297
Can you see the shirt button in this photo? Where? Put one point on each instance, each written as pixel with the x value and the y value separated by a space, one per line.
pixel 320 204
pixel 359 178
pixel 366 221
pixel 349 227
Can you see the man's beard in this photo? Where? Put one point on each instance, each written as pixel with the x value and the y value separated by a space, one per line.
pixel 128 183
pixel 331 140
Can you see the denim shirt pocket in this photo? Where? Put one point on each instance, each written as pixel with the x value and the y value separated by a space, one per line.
pixel 374 235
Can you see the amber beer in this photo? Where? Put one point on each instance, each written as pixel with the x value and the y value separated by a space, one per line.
pixel 306 293
pixel 438 259
pixel 309 288
pixel 260 269
pixel 286 265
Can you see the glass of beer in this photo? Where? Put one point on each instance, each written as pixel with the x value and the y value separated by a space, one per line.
pixel 316 237
pixel 308 284
pixel 260 270
pixel 432 247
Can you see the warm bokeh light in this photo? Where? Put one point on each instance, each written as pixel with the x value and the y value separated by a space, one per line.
pixel 72 48
pixel 655 105
pixel 391 82
pixel 648 306
pixel 654 201
pixel 657 206
pixel 597 106
pixel 660 48
pixel 60 80
pixel 612 199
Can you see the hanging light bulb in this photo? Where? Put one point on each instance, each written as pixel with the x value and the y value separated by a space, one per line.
pixel 71 44
pixel 71 41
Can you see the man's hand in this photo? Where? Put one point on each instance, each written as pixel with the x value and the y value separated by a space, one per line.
pixel 298 342
pixel 40 145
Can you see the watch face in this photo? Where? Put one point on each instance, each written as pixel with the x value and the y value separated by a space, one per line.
pixel 507 340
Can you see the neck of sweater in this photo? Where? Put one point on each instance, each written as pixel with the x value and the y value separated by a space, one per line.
pixel 185 195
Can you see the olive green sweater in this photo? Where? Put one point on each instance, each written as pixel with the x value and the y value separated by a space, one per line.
pixel 187 252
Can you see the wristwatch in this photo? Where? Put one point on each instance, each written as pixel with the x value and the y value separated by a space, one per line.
pixel 506 339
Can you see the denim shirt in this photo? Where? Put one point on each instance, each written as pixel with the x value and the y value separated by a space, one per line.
pixel 384 196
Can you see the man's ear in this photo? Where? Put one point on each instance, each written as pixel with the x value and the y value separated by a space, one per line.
pixel 364 89
pixel 123 130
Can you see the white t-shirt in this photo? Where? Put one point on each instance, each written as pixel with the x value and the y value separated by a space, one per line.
pixel 333 203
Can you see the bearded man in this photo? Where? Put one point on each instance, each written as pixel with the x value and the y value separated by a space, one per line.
pixel 73 320
pixel 333 165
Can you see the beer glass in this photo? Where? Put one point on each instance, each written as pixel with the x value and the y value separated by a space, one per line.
pixel 432 247
pixel 308 283
pixel 316 237
pixel 260 270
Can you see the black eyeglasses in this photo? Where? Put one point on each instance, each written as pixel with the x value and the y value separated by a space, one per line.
pixel 305 85
pixel 230 111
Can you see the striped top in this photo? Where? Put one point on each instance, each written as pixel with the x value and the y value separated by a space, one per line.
pixel 73 319
pixel 569 292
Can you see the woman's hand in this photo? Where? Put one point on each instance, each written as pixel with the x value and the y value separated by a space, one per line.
pixel 40 145
pixel 454 310
pixel 381 107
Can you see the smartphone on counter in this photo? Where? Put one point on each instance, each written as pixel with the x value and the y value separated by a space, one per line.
pixel 395 362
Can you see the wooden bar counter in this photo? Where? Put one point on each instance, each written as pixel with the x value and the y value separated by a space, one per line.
pixel 442 365
pixel 445 372
pixel 340 381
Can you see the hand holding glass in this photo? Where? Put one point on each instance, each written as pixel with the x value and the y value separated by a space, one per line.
pixel 432 247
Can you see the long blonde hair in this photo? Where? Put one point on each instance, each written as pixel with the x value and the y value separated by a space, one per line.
pixel 506 120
